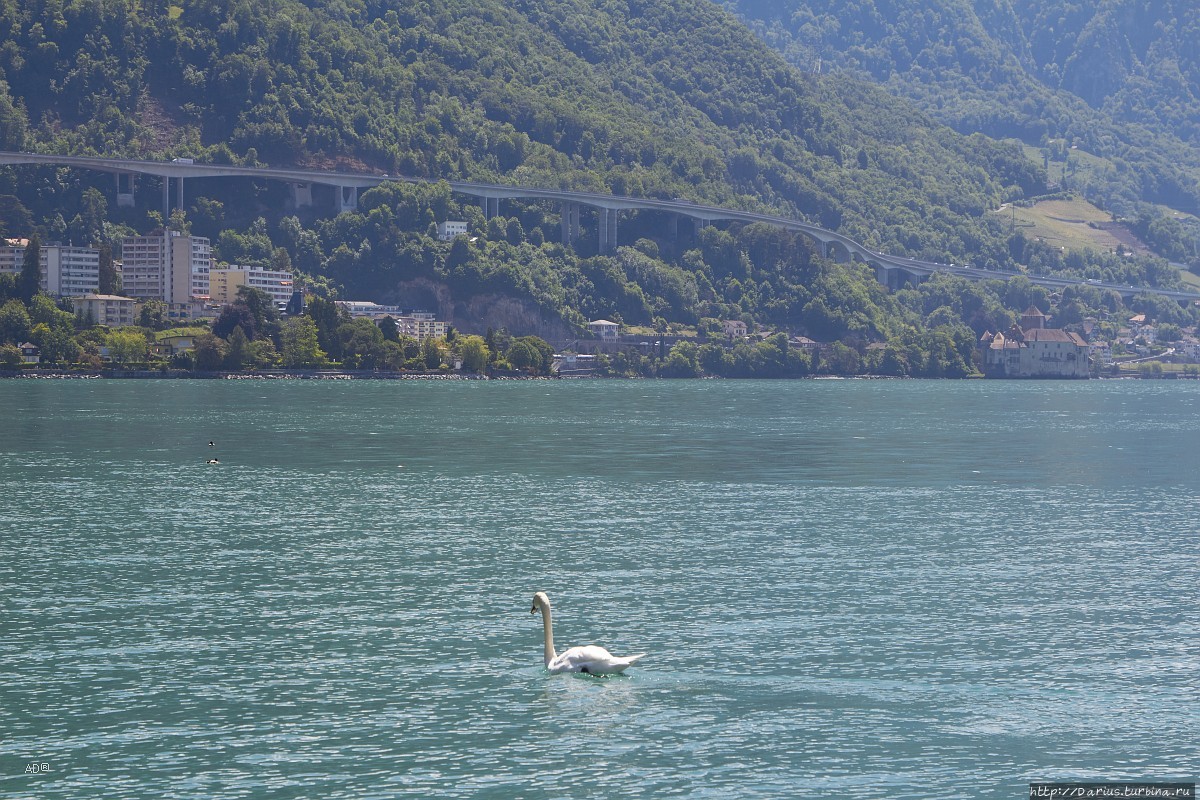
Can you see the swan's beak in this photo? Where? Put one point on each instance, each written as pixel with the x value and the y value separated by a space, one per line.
pixel 533 610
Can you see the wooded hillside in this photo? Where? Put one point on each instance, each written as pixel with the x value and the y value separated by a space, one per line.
pixel 663 99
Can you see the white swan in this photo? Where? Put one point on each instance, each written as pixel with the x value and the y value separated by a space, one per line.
pixel 589 659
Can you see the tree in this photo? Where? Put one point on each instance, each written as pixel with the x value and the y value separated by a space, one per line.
pixel 153 315
pixel 238 355
pixel 15 219
pixel 524 356
pixel 498 342
pixel 513 232
pixel 8 287
pixel 474 353
pixel 431 353
pixel 15 323
pixel 328 317
pixel 110 282
pixel 841 360
pixel 31 270
pixel 281 260
pixel 237 315
pixel 681 362
pixel 300 348
pixel 460 253
pixel 10 356
pixel 87 226
pixel 262 308
pixel 362 344
pixel 210 352
pixel 262 353
pixel 1169 332
pixel 56 344
pixel 179 222
pixel 126 346
pixel 534 354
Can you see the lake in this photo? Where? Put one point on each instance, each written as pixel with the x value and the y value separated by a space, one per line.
pixel 847 588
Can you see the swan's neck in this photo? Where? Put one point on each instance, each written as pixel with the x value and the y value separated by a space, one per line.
pixel 548 635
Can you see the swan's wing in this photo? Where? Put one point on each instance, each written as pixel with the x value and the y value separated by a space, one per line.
pixel 572 659
pixel 593 660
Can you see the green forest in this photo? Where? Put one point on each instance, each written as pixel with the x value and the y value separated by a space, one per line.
pixel 1118 80
pixel 668 99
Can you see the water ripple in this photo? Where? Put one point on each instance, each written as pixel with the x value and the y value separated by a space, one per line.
pixel 833 605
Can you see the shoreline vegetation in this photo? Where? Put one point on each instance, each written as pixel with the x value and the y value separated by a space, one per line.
pixel 377 375
pixel 251 339
pixel 282 374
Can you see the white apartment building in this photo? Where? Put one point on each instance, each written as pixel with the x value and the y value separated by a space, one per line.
pixel 105 309
pixel 66 271
pixel 604 329
pixel 166 266
pixel 367 308
pixel 420 325
pixel 450 228
pixel 1189 349
pixel 1101 353
pixel 223 283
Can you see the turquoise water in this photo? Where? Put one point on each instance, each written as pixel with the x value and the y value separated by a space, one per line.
pixel 881 589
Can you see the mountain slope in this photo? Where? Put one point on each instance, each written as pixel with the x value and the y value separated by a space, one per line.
pixel 667 99
pixel 1117 78
pixel 670 98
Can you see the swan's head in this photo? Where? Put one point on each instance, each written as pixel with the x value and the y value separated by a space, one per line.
pixel 540 601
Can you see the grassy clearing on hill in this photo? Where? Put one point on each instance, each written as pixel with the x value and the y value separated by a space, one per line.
pixel 1072 224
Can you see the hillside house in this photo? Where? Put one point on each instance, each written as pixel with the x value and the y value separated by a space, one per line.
pixel 30 353
pixel 447 230
pixel 604 330
pixel 804 343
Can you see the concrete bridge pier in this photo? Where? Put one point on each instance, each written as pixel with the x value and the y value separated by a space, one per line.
pixel 301 194
pixel 166 196
pixel 836 251
pixel 608 229
pixel 491 206
pixel 881 274
pixel 570 222
pixel 896 279
pixel 126 187
pixel 347 198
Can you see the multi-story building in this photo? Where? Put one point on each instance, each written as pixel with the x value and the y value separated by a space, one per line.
pixel 66 271
pixel 733 328
pixel 223 283
pixel 1101 353
pixel 167 266
pixel 1032 350
pixel 450 228
pixel 604 329
pixel 105 309
pixel 367 308
pixel 420 325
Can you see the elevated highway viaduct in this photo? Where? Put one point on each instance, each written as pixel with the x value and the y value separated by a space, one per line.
pixel 892 271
